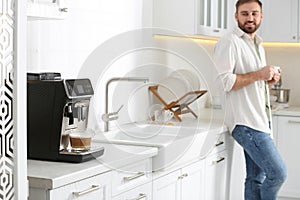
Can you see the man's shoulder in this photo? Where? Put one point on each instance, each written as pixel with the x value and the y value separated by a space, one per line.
pixel 231 35
pixel 228 38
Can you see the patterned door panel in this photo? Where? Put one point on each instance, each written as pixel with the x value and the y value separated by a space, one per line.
pixel 6 99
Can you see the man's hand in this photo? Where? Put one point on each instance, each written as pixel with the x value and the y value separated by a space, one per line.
pixel 266 73
pixel 275 78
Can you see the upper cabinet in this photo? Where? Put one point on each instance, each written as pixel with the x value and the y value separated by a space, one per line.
pixel 281 22
pixel 195 17
pixel 211 17
pixel 46 9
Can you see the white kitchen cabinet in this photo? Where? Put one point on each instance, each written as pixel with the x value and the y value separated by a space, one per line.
pixel 94 188
pixel 200 17
pixel 212 17
pixel 281 22
pixel 46 9
pixel 131 176
pixel 204 179
pixel 167 187
pixel 193 181
pixel 183 184
pixel 287 140
pixel 216 176
pixel 143 192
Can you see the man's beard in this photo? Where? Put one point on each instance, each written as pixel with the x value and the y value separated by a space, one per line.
pixel 248 30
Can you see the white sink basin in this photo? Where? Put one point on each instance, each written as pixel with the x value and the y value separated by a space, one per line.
pixel 176 144
pixel 147 129
pixel 121 137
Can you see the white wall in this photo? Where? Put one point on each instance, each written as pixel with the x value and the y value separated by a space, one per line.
pixel 63 45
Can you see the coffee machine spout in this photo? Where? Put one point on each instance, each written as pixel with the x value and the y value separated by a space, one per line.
pixel 69 114
pixel 82 111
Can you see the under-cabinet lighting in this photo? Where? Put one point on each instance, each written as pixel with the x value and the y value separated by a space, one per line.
pixel 281 44
pixel 196 38
pixel 213 40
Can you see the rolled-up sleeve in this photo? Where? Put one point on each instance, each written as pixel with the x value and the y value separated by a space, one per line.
pixel 227 81
pixel 224 58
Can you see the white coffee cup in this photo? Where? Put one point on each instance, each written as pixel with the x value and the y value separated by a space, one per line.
pixel 276 69
pixel 163 115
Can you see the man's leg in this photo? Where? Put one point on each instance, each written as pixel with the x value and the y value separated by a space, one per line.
pixel 260 148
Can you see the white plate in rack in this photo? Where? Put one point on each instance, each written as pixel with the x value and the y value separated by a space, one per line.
pixel 172 88
pixel 189 77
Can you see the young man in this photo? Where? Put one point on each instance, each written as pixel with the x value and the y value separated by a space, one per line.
pixel 244 75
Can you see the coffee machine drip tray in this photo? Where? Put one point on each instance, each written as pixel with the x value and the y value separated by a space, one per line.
pixel 81 156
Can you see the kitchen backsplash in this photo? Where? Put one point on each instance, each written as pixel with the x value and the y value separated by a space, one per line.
pixel 287 57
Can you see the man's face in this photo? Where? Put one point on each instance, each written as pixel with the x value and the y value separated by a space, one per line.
pixel 249 17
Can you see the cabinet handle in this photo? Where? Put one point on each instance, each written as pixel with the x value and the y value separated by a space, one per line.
pixel 293 122
pixel 141 196
pixel 220 143
pixel 63 9
pixel 218 161
pixel 130 178
pixel 92 189
pixel 182 176
pixel 216 30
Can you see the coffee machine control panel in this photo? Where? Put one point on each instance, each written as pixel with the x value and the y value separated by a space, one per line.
pixel 78 88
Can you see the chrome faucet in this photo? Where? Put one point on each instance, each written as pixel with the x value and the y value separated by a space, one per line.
pixel 106 117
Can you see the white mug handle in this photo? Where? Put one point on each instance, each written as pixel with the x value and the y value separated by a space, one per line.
pixel 168 115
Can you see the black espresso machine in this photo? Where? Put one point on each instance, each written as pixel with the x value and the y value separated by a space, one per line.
pixel 54 108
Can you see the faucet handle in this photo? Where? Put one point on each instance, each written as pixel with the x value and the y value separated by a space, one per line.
pixel 119 109
pixel 111 116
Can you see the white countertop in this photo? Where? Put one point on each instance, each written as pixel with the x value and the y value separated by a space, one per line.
pixel 50 175
pixel 293 111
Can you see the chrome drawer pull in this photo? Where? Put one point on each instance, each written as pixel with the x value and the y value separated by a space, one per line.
pixel 182 176
pixel 130 178
pixel 92 189
pixel 141 196
pixel 294 122
pixel 218 161
pixel 220 143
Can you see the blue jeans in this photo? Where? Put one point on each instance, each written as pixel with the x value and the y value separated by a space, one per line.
pixel 266 170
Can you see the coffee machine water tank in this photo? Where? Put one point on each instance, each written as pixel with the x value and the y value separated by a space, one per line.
pixel 55 107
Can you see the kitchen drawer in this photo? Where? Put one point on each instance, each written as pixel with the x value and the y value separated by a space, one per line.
pixel 131 176
pixel 220 144
pixel 216 183
pixel 143 192
pixel 94 188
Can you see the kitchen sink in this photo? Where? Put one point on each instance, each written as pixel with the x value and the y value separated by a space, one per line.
pixel 176 143
pixel 145 130
pixel 145 139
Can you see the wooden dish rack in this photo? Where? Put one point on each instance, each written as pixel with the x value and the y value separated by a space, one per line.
pixel 181 105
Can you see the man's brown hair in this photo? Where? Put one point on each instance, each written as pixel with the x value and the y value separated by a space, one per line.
pixel 240 2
